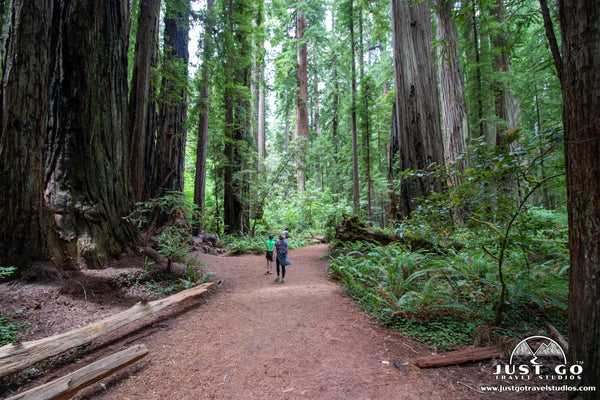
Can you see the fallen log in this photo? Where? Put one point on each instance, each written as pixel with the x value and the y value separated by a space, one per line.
pixel 67 386
pixel 15 357
pixel 353 229
pixel 459 357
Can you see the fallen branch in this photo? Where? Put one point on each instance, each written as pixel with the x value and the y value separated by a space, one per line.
pixel 555 334
pixel 67 386
pixel 15 357
pixel 459 357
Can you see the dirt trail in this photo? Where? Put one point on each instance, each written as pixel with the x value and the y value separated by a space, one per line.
pixel 259 339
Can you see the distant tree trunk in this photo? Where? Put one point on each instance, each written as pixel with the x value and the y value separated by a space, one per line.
pixel 549 28
pixel 286 139
pixel 317 117
pixel 139 98
pixel 580 22
pixel 169 158
pixel 260 68
pixel 478 79
pixel 301 99
pixel 393 168
pixel 27 57
pixel 454 107
pixel 152 122
pixel 418 114
pixel 335 122
pixel 355 181
pixel 203 110
pixel 237 111
pixel 87 184
pixel 506 110
pixel 366 120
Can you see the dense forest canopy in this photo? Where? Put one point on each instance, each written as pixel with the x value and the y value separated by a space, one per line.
pixel 439 117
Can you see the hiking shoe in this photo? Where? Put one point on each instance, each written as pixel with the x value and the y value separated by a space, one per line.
pixel 282 280
pixel 276 278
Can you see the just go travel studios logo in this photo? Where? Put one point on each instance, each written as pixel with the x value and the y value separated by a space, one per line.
pixel 538 358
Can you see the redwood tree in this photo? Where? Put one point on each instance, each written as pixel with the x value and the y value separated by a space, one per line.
pixel 203 110
pixel 417 107
pixel 139 113
pixel 454 107
pixel 580 30
pixel 301 97
pixel 87 184
pixel 169 157
pixel 26 78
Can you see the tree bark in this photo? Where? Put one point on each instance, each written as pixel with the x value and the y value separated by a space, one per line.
pixel 580 22
pixel 87 182
pixel 355 180
pixel 417 108
pixel 24 233
pixel 549 28
pixel 171 137
pixel 454 107
pixel 237 110
pixel 302 122
pixel 366 123
pixel 203 113
pixel 145 45
pixel 506 109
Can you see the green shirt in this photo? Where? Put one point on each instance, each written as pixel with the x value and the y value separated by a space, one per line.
pixel 270 245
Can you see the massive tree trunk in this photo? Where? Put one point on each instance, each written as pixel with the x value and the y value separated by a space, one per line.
pixel 203 110
pixel 301 98
pixel 87 184
pixel 169 157
pixel 419 131
pixel 580 28
pixel 138 112
pixel 454 107
pixel 26 76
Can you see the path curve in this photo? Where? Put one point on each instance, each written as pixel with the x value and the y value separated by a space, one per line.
pixel 258 339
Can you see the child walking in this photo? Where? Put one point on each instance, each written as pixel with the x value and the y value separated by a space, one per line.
pixel 269 255
pixel 282 257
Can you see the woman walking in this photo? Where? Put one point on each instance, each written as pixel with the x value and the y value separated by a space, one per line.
pixel 282 257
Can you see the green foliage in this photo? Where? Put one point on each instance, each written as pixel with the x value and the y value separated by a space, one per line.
pixel 497 258
pixel 10 330
pixel 173 244
pixel 237 245
pixel 5 272
pixel 441 297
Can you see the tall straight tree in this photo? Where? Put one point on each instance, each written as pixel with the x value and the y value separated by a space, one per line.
pixel 87 183
pixel 355 181
pixel 169 157
pixel 454 107
pixel 366 122
pixel 140 96
pixel 302 122
pixel 417 112
pixel 203 109
pixel 580 31
pixel 238 30
pixel 506 110
pixel 26 77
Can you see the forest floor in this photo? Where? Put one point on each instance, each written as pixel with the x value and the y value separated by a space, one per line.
pixel 252 338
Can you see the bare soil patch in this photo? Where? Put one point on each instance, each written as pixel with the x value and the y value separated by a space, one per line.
pixel 253 338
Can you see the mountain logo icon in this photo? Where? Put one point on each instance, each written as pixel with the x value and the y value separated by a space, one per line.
pixel 538 350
